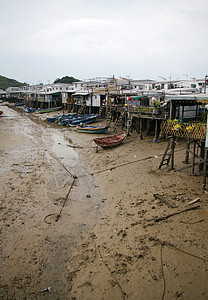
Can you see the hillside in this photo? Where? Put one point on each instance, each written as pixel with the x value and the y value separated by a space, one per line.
pixel 66 79
pixel 7 82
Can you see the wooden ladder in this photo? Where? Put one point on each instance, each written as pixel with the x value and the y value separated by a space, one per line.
pixel 129 125
pixel 168 154
pixel 100 111
pixel 81 109
pixel 118 121
pixel 109 118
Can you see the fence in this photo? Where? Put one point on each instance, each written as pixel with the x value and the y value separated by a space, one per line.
pixel 190 130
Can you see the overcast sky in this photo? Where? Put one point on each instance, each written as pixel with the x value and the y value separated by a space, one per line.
pixel 41 40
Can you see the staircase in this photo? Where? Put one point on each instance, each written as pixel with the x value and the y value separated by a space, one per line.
pixel 100 111
pixel 109 118
pixel 168 154
pixel 129 124
pixel 119 121
pixel 81 110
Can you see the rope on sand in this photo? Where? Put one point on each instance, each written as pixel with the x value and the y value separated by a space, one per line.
pixel 57 216
pixel 112 274
pixel 163 272
pixel 170 245
pixel 117 166
pixel 54 157
pixel 123 164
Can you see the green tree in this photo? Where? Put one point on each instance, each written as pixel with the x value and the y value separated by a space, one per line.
pixel 66 79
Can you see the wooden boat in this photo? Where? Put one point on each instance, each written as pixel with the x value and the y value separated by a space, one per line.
pixel 92 129
pixel 68 116
pixel 84 120
pixel 66 120
pixel 19 104
pixel 63 119
pixel 53 119
pixel 29 109
pixel 110 141
pixel 47 110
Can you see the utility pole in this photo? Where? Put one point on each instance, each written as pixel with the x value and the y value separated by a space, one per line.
pixel 91 97
pixel 205 83
pixel 205 152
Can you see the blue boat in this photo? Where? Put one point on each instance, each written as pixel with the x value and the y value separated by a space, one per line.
pixel 84 120
pixel 61 118
pixel 29 109
pixel 53 119
pixel 19 104
pixel 92 129
pixel 65 119
pixel 68 120
pixel 68 116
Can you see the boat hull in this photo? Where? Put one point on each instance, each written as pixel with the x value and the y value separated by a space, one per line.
pixel 110 141
pixel 52 119
pixel 47 110
pixel 29 110
pixel 86 120
pixel 92 129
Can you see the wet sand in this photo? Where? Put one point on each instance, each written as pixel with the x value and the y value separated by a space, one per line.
pixel 87 224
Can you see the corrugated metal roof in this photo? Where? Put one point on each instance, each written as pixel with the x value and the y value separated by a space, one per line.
pixel 81 93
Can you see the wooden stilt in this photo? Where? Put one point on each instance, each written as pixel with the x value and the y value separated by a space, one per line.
pixel 137 125
pixel 194 154
pixel 205 168
pixel 140 129
pixel 172 152
pixel 155 137
pixel 187 151
pixel 202 148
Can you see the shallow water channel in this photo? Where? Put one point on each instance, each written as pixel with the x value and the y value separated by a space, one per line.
pixel 78 215
pixel 66 154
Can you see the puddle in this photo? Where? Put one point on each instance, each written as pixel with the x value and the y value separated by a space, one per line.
pixel 66 154
pixel 10 117
pixel 84 186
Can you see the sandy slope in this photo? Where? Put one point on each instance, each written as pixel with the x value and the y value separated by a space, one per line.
pixel 106 244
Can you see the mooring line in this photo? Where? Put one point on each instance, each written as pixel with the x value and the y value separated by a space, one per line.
pixel 163 272
pixel 54 157
pixel 123 164
pixel 66 198
pixel 117 166
pixel 90 174
pixel 59 215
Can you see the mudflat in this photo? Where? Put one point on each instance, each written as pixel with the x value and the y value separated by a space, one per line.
pixel 81 224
